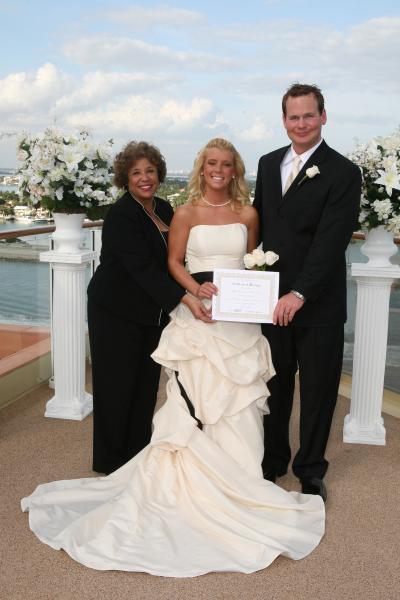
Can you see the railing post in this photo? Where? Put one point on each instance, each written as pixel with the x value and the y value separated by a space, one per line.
pixel 364 424
pixel 70 401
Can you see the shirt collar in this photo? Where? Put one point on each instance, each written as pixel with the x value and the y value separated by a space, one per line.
pixel 291 154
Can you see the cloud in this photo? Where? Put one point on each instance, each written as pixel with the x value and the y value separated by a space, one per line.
pixel 138 116
pixel 257 132
pixel 109 103
pixel 31 91
pixel 140 17
pixel 108 50
pixel 100 85
pixel 364 56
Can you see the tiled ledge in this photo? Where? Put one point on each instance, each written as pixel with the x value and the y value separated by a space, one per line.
pixel 22 344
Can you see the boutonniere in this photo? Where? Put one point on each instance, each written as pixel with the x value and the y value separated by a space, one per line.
pixel 310 173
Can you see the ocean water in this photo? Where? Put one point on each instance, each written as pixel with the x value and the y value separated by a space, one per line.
pixel 25 285
pixel 24 292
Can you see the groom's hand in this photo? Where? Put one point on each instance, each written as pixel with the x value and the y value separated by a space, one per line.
pixel 286 308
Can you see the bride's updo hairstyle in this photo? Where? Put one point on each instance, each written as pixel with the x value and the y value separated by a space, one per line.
pixel 238 189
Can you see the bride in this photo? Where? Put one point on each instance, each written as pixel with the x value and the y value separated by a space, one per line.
pixel 194 500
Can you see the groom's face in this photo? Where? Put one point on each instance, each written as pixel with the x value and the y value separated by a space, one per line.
pixel 303 122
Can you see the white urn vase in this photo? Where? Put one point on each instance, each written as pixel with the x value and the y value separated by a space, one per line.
pixel 379 247
pixel 69 235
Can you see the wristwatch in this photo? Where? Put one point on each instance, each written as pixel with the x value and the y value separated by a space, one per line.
pixel 298 295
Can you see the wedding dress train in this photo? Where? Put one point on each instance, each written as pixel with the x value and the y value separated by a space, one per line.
pixel 194 500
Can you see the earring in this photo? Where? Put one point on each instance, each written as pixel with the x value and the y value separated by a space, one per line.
pixel 202 173
pixel 233 177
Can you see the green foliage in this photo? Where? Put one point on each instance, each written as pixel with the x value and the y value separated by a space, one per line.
pixel 174 190
pixel 6 196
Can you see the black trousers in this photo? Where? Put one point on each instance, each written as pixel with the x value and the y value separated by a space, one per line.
pixel 125 385
pixel 318 354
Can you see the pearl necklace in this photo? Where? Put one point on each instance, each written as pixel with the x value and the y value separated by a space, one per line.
pixel 216 205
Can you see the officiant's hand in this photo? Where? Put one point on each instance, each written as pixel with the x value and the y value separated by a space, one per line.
pixel 286 308
pixel 206 290
pixel 198 309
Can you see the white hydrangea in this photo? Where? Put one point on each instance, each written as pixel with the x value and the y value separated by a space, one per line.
pixel 379 160
pixel 382 208
pixel 59 168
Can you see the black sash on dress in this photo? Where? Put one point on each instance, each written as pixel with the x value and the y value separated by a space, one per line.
pixel 200 277
pixel 188 402
pixel 203 276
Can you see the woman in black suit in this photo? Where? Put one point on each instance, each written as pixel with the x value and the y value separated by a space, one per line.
pixel 129 298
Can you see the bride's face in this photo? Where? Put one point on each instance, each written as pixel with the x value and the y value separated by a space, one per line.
pixel 218 169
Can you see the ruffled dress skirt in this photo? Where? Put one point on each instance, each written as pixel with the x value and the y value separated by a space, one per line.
pixel 194 500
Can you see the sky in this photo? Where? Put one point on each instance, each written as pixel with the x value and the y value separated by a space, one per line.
pixel 181 73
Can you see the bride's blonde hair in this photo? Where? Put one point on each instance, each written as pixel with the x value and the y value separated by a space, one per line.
pixel 238 189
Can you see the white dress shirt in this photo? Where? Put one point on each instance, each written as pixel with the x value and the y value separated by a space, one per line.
pixel 287 163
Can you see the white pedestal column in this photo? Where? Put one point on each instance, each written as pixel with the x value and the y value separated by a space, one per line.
pixel 364 424
pixel 70 401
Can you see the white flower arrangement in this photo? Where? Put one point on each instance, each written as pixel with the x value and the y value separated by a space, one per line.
pixel 66 173
pixel 379 161
pixel 310 173
pixel 259 259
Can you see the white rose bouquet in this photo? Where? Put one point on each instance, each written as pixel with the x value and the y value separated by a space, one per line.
pixel 259 259
pixel 379 161
pixel 66 173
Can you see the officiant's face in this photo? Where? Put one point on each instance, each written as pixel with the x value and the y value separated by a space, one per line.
pixel 303 122
pixel 143 180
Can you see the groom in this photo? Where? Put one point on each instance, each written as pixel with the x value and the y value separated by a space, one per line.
pixel 307 196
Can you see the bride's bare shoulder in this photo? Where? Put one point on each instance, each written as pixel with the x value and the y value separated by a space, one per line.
pixel 185 213
pixel 249 214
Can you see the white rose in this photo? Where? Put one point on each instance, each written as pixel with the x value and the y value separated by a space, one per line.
pixel 259 257
pixel 270 257
pixel 249 261
pixel 312 171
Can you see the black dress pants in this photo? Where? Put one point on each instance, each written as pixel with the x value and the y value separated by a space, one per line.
pixel 125 385
pixel 317 352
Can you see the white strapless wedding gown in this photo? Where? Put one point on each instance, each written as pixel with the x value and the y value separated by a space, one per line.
pixel 193 500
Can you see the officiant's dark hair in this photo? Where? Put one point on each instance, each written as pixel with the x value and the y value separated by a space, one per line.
pixel 303 89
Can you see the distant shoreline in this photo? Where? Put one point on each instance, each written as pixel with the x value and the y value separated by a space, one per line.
pixel 16 251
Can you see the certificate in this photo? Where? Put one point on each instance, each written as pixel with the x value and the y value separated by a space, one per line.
pixel 245 296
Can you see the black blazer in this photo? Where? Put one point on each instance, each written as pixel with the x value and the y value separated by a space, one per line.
pixel 132 278
pixel 310 228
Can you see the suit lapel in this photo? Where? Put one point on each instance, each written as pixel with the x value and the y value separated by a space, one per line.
pixel 316 158
pixel 276 181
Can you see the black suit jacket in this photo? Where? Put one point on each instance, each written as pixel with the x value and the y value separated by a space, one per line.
pixel 132 278
pixel 310 228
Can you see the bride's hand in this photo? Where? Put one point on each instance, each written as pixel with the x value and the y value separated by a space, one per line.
pixel 207 290
pixel 198 309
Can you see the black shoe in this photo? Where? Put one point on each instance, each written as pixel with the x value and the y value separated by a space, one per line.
pixel 270 474
pixel 314 486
